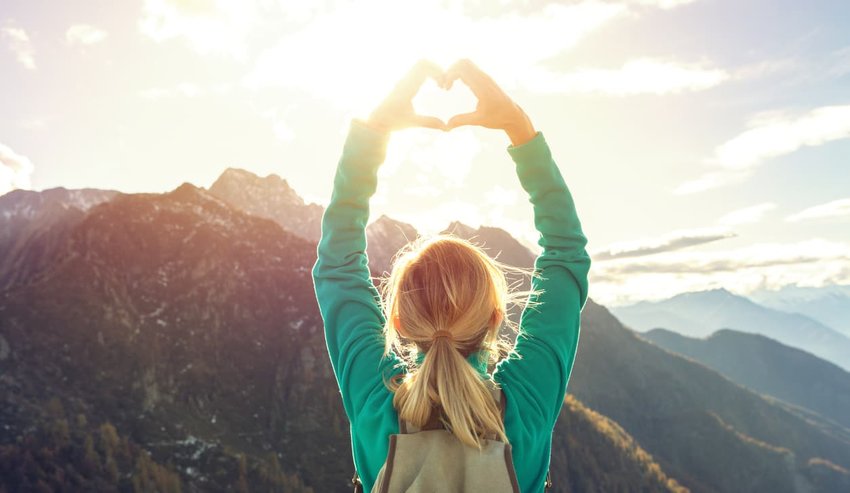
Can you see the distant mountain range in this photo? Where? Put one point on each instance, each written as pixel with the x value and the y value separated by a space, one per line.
pixel 700 313
pixel 829 305
pixel 169 342
pixel 769 367
pixel 34 224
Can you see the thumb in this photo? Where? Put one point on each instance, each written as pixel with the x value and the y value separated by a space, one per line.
pixel 428 122
pixel 463 119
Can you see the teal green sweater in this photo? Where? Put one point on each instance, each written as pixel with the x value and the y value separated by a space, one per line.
pixel 534 385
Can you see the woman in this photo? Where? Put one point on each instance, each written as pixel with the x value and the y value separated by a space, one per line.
pixel 445 299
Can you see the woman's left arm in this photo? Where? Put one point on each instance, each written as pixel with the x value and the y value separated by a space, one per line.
pixel 348 301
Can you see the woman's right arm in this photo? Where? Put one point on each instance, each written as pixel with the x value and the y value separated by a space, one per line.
pixel 549 331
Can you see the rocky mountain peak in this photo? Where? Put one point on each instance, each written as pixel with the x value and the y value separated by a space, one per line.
pixel 460 229
pixel 239 186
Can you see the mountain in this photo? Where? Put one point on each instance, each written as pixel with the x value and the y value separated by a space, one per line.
pixel 769 367
pixel 189 326
pixel 384 237
pixel 700 313
pixel 829 305
pixel 175 316
pixel 174 341
pixel 497 242
pixel 32 224
pixel 593 453
pixel 705 431
pixel 271 197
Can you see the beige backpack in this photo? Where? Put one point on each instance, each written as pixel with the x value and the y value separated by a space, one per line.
pixel 432 459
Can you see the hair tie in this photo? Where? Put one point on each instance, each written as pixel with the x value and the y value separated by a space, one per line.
pixel 442 333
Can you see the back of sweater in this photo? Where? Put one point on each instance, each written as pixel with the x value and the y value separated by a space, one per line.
pixel 534 378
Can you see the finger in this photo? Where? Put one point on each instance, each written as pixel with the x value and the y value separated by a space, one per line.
pixel 410 84
pixel 479 83
pixel 428 122
pixel 463 119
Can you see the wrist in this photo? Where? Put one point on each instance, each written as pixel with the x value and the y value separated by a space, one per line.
pixel 521 130
pixel 378 122
pixel 521 134
pixel 377 125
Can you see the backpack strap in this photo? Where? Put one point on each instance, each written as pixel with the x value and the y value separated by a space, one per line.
pixel 404 428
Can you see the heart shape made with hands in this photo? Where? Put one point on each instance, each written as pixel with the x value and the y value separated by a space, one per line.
pixel 434 100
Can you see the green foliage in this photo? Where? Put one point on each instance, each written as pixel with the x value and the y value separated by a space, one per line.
pixel 592 453
pixel 61 458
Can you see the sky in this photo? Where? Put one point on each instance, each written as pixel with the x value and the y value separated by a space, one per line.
pixel 706 143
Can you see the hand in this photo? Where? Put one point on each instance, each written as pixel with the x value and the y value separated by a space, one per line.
pixel 396 111
pixel 494 110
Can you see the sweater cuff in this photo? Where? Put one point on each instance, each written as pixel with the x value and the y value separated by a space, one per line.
pixel 361 131
pixel 535 150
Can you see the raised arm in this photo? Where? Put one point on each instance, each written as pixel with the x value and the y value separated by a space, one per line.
pixel 549 332
pixel 348 300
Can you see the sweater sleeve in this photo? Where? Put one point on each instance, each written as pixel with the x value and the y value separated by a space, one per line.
pixel 348 300
pixel 539 370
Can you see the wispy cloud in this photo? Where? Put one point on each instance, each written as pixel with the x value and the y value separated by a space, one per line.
pixel 639 76
pixel 836 208
pixel 184 89
pixel 663 4
pixel 216 27
pixel 534 37
pixel 18 42
pixel 15 170
pixel 762 265
pixel 84 34
pixel 839 62
pixel 675 240
pixel 770 135
pixel 746 215
pixel 281 128
pixel 36 122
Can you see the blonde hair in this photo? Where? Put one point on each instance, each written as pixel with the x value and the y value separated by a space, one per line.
pixel 447 283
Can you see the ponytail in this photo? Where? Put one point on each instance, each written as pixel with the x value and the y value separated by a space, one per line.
pixel 468 406
pixel 447 298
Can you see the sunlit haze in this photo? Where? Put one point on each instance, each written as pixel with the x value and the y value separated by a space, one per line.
pixel 706 142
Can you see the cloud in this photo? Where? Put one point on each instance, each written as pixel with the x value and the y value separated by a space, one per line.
pixel 36 122
pixel 282 130
pixel 712 179
pixel 354 75
pixel 15 170
pixel 770 135
pixel 639 76
pixel 84 34
pixel 19 43
pixel 499 196
pixel 675 240
pixel 839 62
pixel 746 215
pixel 214 27
pixel 662 4
pixel 812 262
pixel 836 208
pixel 184 89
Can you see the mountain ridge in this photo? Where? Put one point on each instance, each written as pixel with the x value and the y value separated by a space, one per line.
pixel 699 313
